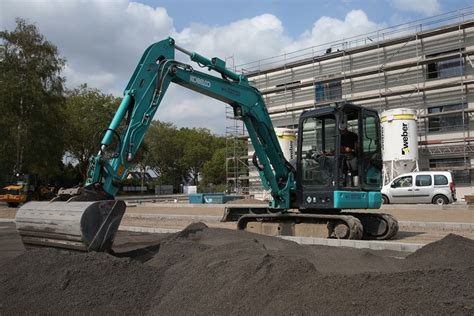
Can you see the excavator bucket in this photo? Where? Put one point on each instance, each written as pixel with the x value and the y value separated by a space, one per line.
pixel 84 226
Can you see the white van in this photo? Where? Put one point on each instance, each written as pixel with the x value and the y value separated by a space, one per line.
pixel 435 187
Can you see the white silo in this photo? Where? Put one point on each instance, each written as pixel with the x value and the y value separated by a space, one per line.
pixel 399 142
pixel 287 140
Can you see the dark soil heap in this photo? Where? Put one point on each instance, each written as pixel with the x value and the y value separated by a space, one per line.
pixel 217 271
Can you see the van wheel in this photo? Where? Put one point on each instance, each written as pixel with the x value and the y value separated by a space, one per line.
pixel 385 200
pixel 12 204
pixel 440 200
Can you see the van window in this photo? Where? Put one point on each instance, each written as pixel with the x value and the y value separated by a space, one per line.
pixel 423 181
pixel 403 182
pixel 440 180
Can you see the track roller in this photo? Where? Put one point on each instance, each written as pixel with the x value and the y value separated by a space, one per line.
pixel 297 224
pixel 377 226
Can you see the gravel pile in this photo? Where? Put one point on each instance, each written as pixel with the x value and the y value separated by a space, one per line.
pixel 217 271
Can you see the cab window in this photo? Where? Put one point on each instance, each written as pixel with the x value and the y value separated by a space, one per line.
pixel 371 152
pixel 440 180
pixel 423 181
pixel 403 182
pixel 317 150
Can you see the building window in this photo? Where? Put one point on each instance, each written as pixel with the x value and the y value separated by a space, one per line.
pixel 447 163
pixel 451 67
pixel 328 91
pixel 446 122
pixel 287 85
pixel 459 167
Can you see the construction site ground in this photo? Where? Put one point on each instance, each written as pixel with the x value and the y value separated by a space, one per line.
pixel 201 270
pixel 419 224
pixel 213 271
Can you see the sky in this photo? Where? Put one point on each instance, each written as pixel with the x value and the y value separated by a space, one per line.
pixel 103 40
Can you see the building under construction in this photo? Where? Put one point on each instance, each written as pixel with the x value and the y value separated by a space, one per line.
pixel 427 65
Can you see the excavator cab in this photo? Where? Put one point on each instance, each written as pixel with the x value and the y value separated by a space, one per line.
pixel 339 158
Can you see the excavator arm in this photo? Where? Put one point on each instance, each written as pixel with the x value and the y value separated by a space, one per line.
pixel 143 95
pixel 87 218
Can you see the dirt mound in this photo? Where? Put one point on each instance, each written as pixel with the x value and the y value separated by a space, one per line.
pixel 57 282
pixel 451 251
pixel 217 271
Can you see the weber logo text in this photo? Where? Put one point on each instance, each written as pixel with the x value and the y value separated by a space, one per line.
pixel 405 148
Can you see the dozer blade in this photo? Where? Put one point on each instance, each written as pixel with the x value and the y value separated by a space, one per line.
pixel 84 226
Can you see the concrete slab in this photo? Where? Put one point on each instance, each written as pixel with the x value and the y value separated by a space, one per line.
pixel 207 218
pixel 369 244
pixel 468 227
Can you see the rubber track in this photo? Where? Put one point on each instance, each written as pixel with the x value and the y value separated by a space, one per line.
pixel 352 223
pixel 390 222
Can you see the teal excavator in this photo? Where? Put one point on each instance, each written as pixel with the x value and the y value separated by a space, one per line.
pixel 311 192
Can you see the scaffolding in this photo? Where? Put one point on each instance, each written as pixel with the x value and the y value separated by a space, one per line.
pixel 236 162
pixel 427 65
pixel 237 167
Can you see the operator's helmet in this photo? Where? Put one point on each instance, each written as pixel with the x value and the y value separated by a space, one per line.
pixel 342 126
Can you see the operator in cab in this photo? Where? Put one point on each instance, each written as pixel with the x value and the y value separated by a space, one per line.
pixel 349 141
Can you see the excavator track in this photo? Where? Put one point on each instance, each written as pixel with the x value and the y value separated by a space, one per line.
pixel 344 225
pixel 377 226
pixel 297 224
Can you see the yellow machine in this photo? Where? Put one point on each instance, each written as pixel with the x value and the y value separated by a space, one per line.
pixel 13 195
pixel 16 194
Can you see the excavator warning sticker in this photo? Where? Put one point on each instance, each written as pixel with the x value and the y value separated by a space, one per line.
pixel 120 170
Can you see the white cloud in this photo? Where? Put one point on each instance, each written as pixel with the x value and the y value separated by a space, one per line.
pixel 246 40
pixel 103 41
pixel 189 109
pixel 327 29
pixel 426 7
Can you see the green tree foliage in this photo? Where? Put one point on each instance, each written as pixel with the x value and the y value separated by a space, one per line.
pixel 179 155
pixel 199 146
pixel 31 100
pixel 88 114
pixel 214 169
pixel 164 153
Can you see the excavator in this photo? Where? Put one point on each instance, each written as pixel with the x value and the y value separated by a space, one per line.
pixel 311 193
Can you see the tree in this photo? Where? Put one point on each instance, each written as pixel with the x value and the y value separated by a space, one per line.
pixel 164 153
pixel 31 101
pixel 88 114
pixel 198 147
pixel 214 169
pixel 178 155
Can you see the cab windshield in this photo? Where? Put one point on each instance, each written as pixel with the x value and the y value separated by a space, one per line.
pixel 317 151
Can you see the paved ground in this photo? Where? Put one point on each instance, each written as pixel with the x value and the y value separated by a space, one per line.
pixel 413 218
